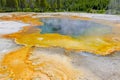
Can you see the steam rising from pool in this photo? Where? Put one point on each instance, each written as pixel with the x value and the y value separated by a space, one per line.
pixel 114 7
pixel 71 27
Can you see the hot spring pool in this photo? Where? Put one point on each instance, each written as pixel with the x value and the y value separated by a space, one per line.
pixel 74 27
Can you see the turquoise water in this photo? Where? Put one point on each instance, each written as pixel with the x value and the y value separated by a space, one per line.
pixel 71 27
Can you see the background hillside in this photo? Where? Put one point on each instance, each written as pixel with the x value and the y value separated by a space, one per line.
pixel 93 6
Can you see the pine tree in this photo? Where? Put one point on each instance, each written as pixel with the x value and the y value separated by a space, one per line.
pixel 11 3
pixel 37 3
pixel 58 4
pixel 2 3
pixel 43 5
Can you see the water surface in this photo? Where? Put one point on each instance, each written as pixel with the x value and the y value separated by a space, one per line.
pixel 74 27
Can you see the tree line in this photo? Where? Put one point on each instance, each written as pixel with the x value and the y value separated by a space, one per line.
pixel 54 5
